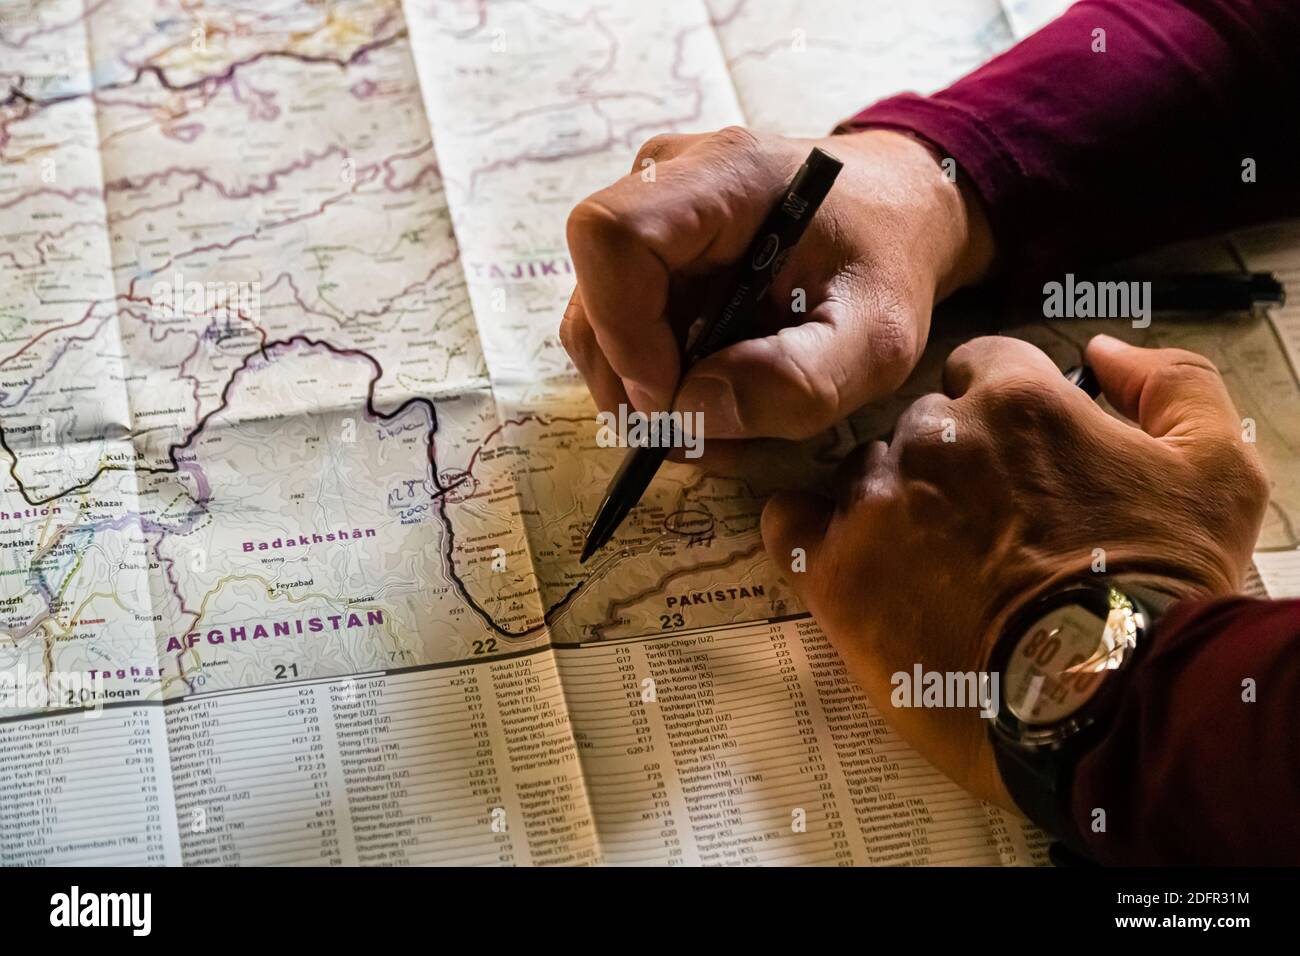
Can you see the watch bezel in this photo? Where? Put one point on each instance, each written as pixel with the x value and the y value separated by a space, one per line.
pixel 1098 598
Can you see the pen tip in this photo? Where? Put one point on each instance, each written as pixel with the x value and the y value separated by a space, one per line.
pixel 588 548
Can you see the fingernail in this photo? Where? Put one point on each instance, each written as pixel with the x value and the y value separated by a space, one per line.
pixel 1108 341
pixel 715 400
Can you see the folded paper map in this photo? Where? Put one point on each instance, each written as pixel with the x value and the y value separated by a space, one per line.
pixel 296 472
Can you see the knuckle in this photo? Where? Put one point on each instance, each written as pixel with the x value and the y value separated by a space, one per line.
pixel 981 349
pixel 895 346
pixel 867 477
pixel 923 419
pixel 818 401
pixel 657 147
pixel 740 158
pixel 970 350
pixel 1192 362
pixel 1025 401
pixel 775 523
pixel 603 230
pixel 930 440
pixel 1180 368
pixel 1234 467
pixel 592 219
pixel 1257 496
pixel 611 219
pixel 974 362
pixel 1255 482
pixel 736 138
pixel 572 338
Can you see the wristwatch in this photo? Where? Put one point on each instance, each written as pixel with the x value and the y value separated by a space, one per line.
pixel 1061 662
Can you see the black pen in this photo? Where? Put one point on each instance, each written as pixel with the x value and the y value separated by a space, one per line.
pixel 1193 291
pixel 785 224
pixel 1215 291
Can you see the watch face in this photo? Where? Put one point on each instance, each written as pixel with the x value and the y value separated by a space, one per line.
pixel 1064 657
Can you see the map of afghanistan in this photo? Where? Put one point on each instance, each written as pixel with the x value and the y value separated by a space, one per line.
pixel 280 387
pixel 249 421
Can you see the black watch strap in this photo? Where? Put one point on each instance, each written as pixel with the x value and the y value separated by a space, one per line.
pixel 1041 789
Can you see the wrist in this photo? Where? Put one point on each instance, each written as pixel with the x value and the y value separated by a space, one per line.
pixel 952 219
pixel 978 250
pixel 1063 664
pixel 1189 582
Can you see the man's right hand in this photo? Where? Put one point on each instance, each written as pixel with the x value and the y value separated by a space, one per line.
pixel 654 251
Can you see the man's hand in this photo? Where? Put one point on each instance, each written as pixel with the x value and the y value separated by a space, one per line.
pixel 653 251
pixel 1010 482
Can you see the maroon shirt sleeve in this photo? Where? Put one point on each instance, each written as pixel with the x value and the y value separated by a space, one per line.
pixel 1202 762
pixel 1083 155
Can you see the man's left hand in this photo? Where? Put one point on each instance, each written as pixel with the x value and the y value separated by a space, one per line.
pixel 1010 482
